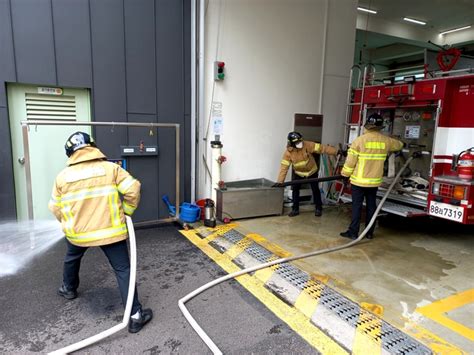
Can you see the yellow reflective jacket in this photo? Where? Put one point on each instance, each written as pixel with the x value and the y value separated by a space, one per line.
pixel 85 199
pixel 302 159
pixel 366 157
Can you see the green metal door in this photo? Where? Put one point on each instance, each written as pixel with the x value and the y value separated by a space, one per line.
pixel 28 102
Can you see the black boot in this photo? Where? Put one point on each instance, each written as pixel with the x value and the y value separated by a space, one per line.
pixel 347 234
pixel 135 325
pixel 294 213
pixel 67 294
pixel 318 212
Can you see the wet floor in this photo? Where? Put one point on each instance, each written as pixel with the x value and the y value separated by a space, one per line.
pixel 409 265
pixel 36 320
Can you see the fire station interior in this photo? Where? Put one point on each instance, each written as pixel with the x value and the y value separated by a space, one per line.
pixel 195 99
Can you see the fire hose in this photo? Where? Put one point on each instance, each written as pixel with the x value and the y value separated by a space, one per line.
pixel 128 307
pixel 308 181
pixel 197 328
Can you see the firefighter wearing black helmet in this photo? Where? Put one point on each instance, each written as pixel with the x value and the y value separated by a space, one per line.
pixel 299 155
pixel 90 198
pixel 364 167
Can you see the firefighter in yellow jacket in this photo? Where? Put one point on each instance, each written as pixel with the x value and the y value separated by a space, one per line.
pixel 364 166
pixel 299 154
pixel 86 200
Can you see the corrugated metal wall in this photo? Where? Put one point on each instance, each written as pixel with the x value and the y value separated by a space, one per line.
pixel 134 55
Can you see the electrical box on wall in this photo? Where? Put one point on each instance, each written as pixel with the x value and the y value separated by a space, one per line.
pixel 139 150
pixel 219 70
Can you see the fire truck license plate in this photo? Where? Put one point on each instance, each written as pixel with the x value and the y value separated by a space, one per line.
pixel 443 210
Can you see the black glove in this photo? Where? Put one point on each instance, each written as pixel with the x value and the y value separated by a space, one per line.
pixel 278 184
pixel 345 179
pixel 342 152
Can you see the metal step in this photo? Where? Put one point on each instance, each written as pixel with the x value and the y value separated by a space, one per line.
pixel 394 208
pixel 401 198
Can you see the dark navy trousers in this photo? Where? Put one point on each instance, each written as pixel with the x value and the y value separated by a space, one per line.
pixel 117 253
pixel 314 188
pixel 358 195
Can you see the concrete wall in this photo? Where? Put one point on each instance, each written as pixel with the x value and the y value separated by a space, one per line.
pixel 133 55
pixel 339 59
pixel 275 67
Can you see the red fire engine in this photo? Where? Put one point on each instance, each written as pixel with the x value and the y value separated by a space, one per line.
pixel 433 115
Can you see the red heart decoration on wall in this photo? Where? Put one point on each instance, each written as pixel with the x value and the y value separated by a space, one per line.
pixel 447 59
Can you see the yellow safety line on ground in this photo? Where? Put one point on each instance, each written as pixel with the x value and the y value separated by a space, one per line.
pixel 308 299
pixel 265 274
pixel 238 248
pixel 323 278
pixel 306 304
pixel 291 316
pixel 436 311
pixel 216 232
pixel 369 327
pixel 434 342
pixel 275 249
pixel 374 308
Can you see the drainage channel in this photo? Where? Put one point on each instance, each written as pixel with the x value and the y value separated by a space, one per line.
pixel 343 320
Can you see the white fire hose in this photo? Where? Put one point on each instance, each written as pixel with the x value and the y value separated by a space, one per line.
pixel 128 307
pixel 202 334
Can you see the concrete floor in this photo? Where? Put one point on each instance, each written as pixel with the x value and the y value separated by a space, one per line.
pixel 36 320
pixel 411 263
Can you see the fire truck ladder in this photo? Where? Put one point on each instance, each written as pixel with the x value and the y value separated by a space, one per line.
pixel 350 104
pixel 348 125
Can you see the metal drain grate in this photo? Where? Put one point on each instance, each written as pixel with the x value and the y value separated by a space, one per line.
pixel 341 306
pixel 314 288
pixel 293 275
pixel 223 228
pixel 233 236
pixel 393 340
pixel 397 342
pixel 259 253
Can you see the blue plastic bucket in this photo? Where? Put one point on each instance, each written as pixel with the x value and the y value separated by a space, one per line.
pixel 189 213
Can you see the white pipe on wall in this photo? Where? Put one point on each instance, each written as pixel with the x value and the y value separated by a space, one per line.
pixel 193 100
pixel 216 169
pixel 323 56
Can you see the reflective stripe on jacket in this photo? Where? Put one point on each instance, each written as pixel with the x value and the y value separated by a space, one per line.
pixel 86 199
pixel 366 157
pixel 302 159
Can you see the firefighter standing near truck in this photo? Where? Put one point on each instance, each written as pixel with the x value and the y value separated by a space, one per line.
pixel 299 154
pixel 85 199
pixel 364 168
